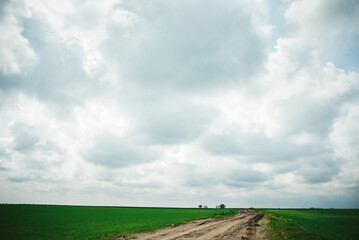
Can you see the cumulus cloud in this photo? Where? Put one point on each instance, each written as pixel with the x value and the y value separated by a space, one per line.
pixel 170 119
pixel 260 148
pixel 115 151
pixel 318 169
pixel 25 138
pixel 16 53
pixel 330 25
pixel 164 103
pixel 182 47
pixel 323 18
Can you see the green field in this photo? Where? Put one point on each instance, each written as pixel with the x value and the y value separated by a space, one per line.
pixel 82 222
pixel 316 223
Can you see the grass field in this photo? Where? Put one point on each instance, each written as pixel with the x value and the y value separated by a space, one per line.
pixel 82 222
pixel 315 223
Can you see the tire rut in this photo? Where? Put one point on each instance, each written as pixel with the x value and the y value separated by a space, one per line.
pixel 241 226
pixel 194 231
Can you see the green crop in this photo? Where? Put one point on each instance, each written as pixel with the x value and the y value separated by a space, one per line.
pixel 83 222
pixel 331 224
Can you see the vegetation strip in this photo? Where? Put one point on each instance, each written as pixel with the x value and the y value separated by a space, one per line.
pixel 331 224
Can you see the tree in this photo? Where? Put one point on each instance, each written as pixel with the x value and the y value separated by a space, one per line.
pixel 222 206
pixel 200 206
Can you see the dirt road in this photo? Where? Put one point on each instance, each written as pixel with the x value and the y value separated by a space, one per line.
pixel 246 224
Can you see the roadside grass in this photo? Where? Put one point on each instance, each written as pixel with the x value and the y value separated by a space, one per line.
pixel 280 227
pixel 83 222
pixel 315 224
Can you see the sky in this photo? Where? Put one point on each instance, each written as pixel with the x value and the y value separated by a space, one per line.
pixel 250 103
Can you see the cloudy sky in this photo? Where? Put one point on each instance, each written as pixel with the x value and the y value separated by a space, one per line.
pixel 180 103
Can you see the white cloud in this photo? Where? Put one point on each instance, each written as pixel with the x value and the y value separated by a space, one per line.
pixel 161 103
pixel 344 131
pixel 328 25
pixel 179 46
pixel 322 19
pixel 123 17
pixel 16 54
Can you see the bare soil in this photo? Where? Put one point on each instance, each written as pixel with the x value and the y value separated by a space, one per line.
pixel 246 225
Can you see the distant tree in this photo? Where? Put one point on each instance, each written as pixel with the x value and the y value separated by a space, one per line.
pixel 222 206
pixel 200 206
pixel 205 206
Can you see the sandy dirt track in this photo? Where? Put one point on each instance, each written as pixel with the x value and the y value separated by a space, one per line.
pixel 246 224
